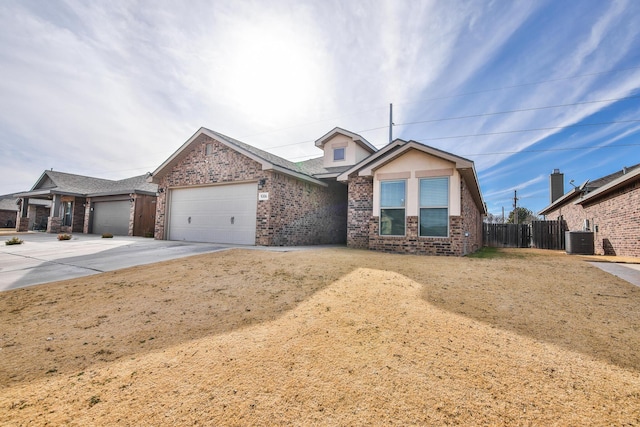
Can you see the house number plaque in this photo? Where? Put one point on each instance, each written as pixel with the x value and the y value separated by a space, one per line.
pixel 263 196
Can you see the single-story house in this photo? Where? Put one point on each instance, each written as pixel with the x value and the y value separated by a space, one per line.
pixel 609 207
pixel 406 197
pixel 66 203
pixel 8 211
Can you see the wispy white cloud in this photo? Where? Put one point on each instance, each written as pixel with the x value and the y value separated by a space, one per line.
pixel 115 87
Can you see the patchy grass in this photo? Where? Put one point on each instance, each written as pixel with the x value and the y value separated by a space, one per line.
pixel 332 336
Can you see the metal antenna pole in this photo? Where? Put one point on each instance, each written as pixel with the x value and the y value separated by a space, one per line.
pixel 390 123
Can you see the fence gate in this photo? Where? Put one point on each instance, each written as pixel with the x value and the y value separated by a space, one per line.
pixel 507 235
pixel 548 234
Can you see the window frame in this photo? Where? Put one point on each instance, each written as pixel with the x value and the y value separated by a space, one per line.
pixel 394 208
pixel 422 207
pixel 342 150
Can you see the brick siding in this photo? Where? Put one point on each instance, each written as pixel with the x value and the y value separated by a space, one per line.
pixel 471 221
pixel 617 217
pixel 225 165
pixel 301 213
pixel 359 211
pixel 77 216
pixel 363 230
pixel 296 213
pixel 8 218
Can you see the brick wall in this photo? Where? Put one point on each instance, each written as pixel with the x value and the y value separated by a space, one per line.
pixel 301 213
pixel 412 244
pixel 77 217
pixel 197 168
pixel 359 211
pixel 617 217
pixel 471 221
pixel 297 212
pixel 364 228
pixel 8 218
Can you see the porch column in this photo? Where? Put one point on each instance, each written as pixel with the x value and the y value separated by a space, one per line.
pixel 55 219
pixel 22 223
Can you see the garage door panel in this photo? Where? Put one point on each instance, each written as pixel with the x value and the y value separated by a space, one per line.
pixel 111 217
pixel 217 214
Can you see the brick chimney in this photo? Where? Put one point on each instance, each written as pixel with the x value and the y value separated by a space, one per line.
pixel 556 185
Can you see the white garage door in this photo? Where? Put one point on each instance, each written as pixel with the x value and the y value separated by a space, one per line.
pixel 216 214
pixel 111 217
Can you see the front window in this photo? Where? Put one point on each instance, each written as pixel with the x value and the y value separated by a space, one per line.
pixel 338 154
pixel 434 207
pixel 392 208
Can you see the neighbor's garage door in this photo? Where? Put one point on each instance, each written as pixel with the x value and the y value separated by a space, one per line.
pixel 216 214
pixel 111 217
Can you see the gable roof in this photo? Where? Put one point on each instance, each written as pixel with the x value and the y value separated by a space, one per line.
pixel 398 147
pixel 591 189
pixel 55 182
pixel 358 139
pixel 302 170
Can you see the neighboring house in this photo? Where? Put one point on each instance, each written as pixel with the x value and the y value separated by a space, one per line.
pixel 66 203
pixel 8 211
pixel 407 197
pixel 609 207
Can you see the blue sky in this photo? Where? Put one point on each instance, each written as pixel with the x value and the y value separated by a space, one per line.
pixel 112 88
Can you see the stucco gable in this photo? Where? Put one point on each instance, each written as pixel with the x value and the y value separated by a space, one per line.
pixel 398 148
pixel 358 139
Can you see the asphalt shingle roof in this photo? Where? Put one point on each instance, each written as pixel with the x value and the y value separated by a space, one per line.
pixel 79 184
pixel 308 167
pixel 8 203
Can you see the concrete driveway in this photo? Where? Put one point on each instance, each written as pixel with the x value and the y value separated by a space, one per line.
pixel 43 258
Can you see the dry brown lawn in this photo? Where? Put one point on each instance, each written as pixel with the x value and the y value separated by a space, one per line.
pixel 326 337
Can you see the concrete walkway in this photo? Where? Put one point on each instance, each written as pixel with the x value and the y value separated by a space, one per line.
pixel 42 258
pixel 628 272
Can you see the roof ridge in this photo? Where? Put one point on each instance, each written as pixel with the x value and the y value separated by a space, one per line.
pixel 603 180
pixel 263 154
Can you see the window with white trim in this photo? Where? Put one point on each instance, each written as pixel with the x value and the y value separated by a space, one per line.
pixel 338 154
pixel 392 208
pixel 434 207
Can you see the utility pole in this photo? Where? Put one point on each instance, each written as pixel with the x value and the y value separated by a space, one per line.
pixel 515 206
pixel 390 123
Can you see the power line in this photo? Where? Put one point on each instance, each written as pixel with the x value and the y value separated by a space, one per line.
pixel 528 130
pixel 482 115
pixel 541 150
pixel 524 84
pixel 545 150
pixel 455 96
pixel 517 111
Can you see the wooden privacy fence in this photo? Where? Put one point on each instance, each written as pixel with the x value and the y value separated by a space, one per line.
pixel 540 234
pixel 507 235
pixel 548 234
